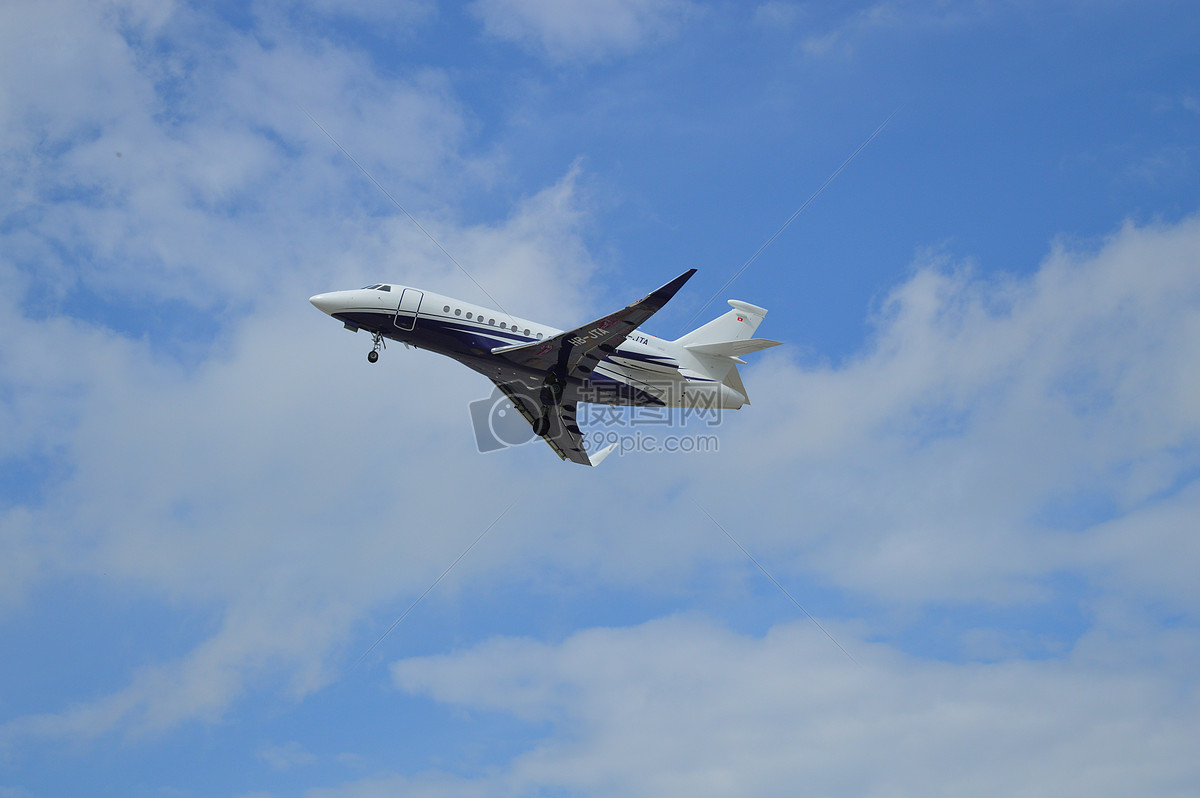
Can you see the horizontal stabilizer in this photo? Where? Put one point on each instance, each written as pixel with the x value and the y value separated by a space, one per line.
pixel 732 348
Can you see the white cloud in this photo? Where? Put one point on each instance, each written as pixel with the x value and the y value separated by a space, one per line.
pixel 195 485
pixel 64 68
pixel 678 705
pixel 286 756
pixel 582 30
pixel 399 14
pixel 970 451
pixel 779 14
pixel 141 171
pixel 192 483
pixel 836 30
pixel 435 785
pixel 995 433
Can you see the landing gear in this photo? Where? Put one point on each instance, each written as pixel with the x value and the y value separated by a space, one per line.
pixel 377 340
pixel 542 426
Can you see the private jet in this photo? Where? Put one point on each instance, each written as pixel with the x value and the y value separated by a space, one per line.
pixel 546 372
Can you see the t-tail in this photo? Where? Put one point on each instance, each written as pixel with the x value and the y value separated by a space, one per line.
pixel 717 347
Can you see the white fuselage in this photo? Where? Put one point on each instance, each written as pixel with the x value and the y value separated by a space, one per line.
pixel 643 370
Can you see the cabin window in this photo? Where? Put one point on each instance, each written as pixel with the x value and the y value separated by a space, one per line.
pixel 539 336
pixel 446 309
pixel 468 315
pixel 492 322
pixel 458 312
pixel 503 326
pixel 526 332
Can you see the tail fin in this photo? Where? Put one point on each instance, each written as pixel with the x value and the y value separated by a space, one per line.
pixel 738 324
pixel 719 345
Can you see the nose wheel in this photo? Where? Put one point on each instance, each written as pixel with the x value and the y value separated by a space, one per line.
pixel 377 339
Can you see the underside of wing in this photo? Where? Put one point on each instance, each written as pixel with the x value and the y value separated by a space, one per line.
pixel 541 378
pixel 575 353
pixel 555 424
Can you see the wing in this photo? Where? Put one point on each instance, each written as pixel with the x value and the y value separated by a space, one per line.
pixel 562 430
pixel 566 356
pixel 573 354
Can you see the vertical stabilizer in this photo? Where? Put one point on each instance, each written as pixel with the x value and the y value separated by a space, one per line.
pixel 736 325
pixel 717 347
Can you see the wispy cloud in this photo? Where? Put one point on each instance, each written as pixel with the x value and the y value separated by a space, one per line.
pixel 286 756
pixel 585 30
pixel 838 30
pixel 180 453
pixel 679 705
pixel 204 505
pixel 173 182
pixel 180 429
pixel 989 425
pixel 995 433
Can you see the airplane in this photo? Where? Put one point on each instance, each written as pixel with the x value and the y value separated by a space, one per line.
pixel 546 372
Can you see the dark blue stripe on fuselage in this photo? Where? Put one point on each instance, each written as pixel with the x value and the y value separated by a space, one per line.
pixel 463 340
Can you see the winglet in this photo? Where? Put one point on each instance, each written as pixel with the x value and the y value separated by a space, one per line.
pixel 664 294
pixel 598 458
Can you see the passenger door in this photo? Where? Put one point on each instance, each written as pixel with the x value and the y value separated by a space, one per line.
pixel 406 313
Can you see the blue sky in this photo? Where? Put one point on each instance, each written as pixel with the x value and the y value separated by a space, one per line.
pixel 975 462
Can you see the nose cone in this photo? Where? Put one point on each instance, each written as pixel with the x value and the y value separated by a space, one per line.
pixel 326 303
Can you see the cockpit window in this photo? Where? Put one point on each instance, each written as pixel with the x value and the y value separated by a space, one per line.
pixel 371 287
pixel 385 288
pixel 378 287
